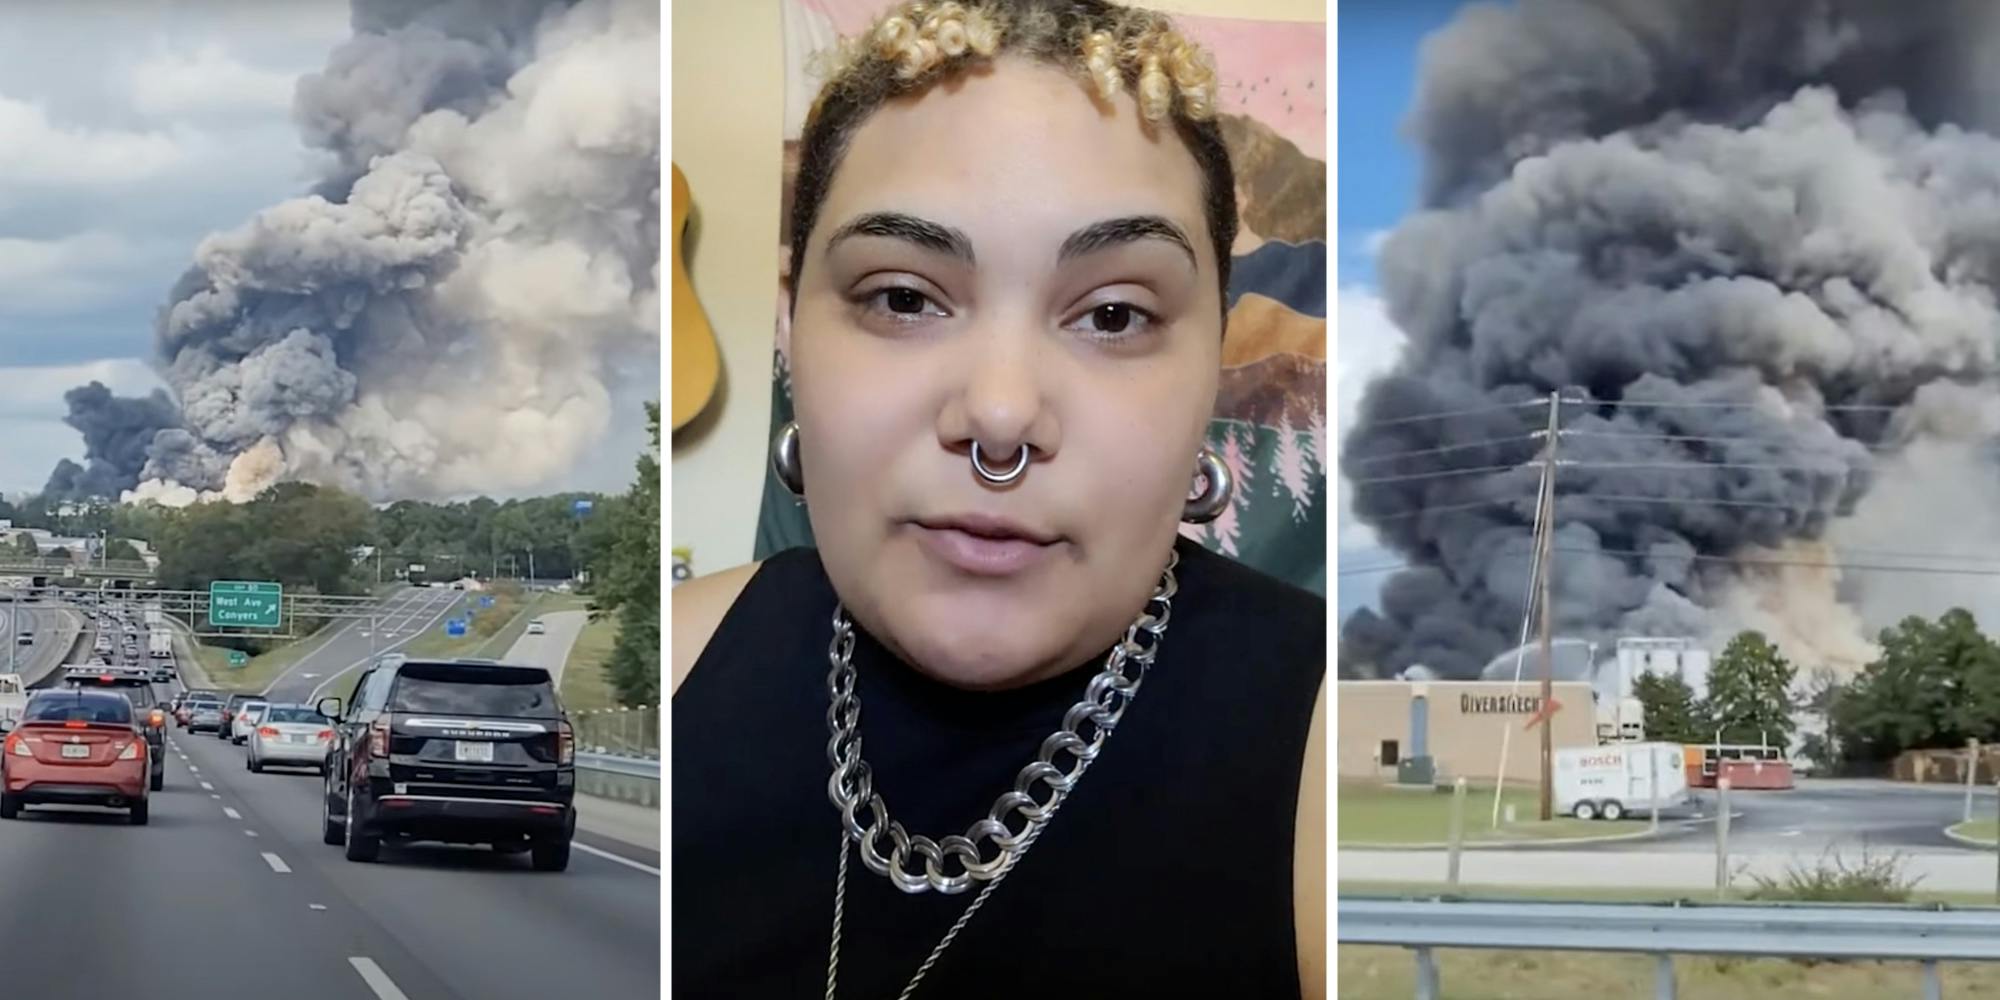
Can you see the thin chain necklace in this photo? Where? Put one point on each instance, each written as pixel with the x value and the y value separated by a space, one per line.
pixel 852 789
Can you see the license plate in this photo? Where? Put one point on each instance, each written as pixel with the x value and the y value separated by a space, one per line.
pixel 474 751
pixel 75 750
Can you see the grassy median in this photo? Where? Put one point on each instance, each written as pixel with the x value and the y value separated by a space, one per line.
pixel 1384 973
pixel 585 686
pixel 1373 813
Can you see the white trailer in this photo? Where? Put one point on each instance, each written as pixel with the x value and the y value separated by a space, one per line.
pixel 1617 780
pixel 160 644
pixel 13 696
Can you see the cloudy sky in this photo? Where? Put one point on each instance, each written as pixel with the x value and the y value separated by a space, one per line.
pixel 1378 183
pixel 128 130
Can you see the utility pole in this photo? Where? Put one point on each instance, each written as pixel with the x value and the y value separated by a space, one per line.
pixel 531 568
pixel 1547 559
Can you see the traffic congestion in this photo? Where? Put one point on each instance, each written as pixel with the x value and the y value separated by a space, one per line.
pixel 404 816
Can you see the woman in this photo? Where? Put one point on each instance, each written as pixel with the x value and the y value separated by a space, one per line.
pixel 1010 247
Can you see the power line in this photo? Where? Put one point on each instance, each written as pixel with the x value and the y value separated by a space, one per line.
pixel 1670 501
pixel 1799 563
pixel 1711 439
pixel 1443 414
pixel 1446 508
pixel 1692 466
pixel 1665 404
pixel 1441 449
pixel 1408 477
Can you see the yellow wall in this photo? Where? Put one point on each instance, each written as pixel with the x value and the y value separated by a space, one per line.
pixel 728 113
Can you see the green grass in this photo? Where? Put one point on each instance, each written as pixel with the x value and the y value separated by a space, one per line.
pixel 1371 813
pixel 1381 973
pixel 1979 829
pixel 584 684
pixel 1384 973
pixel 543 603
pixel 261 670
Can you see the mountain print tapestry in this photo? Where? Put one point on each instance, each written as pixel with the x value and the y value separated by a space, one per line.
pixel 1270 420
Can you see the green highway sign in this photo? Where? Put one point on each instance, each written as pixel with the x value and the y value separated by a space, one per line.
pixel 245 604
pixel 237 659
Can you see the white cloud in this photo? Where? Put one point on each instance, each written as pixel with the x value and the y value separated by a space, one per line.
pixel 1367 344
pixel 1372 243
pixel 37 151
pixel 207 81
pixel 36 392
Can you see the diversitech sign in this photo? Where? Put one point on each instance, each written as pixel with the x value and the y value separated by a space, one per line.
pixel 1499 704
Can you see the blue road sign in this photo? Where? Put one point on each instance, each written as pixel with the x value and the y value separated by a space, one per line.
pixel 582 507
pixel 486 602
pixel 454 626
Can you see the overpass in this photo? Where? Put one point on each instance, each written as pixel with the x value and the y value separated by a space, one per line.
pixel 118 572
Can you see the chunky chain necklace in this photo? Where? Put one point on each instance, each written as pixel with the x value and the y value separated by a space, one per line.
pixel 852 788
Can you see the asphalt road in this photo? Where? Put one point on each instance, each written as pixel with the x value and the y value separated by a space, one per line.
pixel 54 631
pixel 231 867
pixel 1820 815
pixel 550 649
pixel 405 615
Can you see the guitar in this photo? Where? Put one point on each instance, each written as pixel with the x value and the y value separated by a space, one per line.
pixel 696 367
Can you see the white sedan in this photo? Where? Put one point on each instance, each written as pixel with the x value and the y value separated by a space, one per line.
pixel 290 736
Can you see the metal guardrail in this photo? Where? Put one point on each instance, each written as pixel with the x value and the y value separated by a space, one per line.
pixel 620 732
pixel 633 780
pixel 638 767
pixel 1798 930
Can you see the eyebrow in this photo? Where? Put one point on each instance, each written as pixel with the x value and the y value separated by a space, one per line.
pixel 908 228
pixel 1123 230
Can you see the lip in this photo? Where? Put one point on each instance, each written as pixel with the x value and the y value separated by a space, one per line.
pixel 980 545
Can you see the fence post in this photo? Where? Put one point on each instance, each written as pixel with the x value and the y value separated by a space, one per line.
pixel 1663 977
pixel 1653 757
pixel 1722 839
pixel 1971 773
pixel 1457 832
pixel 1427 975
pixel 1933 985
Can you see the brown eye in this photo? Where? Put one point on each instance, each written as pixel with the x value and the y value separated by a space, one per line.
pixel 907 301
pixel 1113 317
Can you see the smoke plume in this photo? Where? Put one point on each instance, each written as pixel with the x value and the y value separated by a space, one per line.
pixel 453 305
pixel 1779 222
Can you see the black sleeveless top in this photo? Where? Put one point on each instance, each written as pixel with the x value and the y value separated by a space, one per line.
pixel 1167 872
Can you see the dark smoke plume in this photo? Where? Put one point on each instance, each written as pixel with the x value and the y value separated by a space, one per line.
pixel 1788 203
pixel 451 307
pixel 117 431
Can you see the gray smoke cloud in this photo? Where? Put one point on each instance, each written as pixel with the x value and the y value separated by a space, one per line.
pixel 1762 212
pixel 117 431
pixel 452 306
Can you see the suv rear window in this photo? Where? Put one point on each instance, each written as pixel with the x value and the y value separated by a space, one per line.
pixel 80 707
pixel 465 689
pixel 140 694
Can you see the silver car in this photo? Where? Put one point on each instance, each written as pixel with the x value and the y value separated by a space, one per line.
pixel 290 736
pixel 248 715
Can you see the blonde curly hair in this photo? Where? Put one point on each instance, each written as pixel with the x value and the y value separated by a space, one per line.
pixel 1109 47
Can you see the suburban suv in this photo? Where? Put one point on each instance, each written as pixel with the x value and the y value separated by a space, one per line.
pixel 458 751
pixel 148 715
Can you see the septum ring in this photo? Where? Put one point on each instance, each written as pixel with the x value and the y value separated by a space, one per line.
pixel 999 478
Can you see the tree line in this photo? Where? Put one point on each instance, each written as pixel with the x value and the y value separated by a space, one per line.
pixel 307 537
pixel 1749 698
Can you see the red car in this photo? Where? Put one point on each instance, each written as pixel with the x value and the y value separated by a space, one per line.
pixel 74 747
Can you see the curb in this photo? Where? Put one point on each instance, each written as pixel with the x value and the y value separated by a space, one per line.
pixel 1488 845
pixel 1973 842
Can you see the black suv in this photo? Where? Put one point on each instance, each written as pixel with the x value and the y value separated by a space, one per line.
pixel 149 716
pixel 459 751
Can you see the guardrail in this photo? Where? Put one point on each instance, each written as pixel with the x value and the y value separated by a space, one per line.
pixel 1663 930
pixel 613 776
pixel 619 732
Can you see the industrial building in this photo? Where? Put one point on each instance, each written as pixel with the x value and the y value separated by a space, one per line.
pixel 1460 725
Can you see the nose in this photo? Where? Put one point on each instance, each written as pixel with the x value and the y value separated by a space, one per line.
pixel 1003 406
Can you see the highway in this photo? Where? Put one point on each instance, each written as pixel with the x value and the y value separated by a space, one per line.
pixel 406 614
pixel 230 888
pixel 54 629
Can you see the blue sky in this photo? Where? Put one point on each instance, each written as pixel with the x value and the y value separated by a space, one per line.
pixel 1377 48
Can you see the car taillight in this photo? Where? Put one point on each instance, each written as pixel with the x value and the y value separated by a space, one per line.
pixel 18 746
pixel 159 718
pixel 378 736
pixel 268 732
pixel 76 724
pixel 131 752
pixel 566 745
pixel 326 736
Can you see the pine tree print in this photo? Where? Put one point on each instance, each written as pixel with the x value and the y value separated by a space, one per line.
pixel 1293 468
pixel 1316 427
